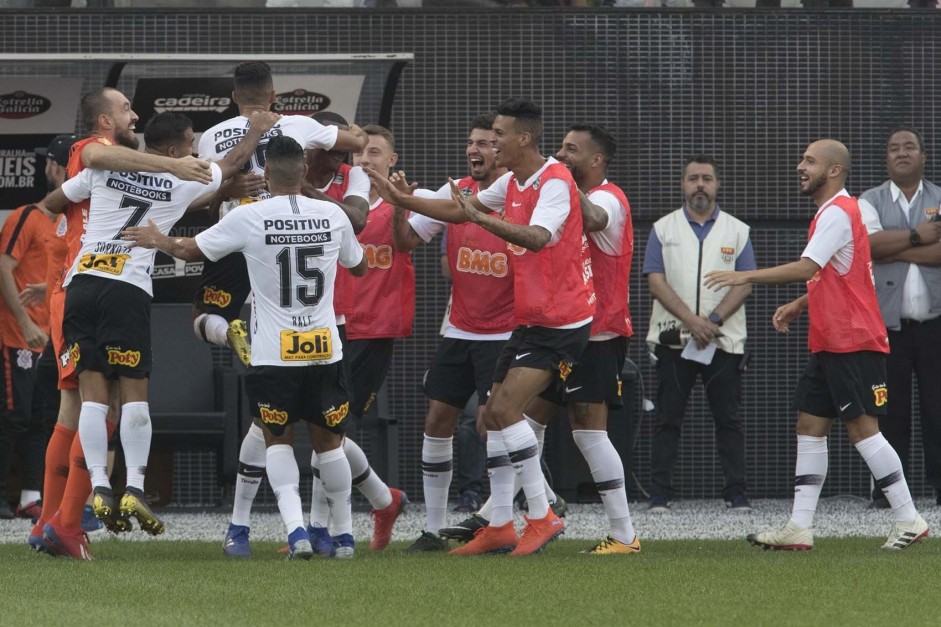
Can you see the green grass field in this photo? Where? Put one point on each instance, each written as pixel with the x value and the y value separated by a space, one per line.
pixel 841 582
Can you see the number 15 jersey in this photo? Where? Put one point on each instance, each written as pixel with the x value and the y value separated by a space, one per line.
pixel 291 245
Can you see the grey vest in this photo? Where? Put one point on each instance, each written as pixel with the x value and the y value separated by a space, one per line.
pixel 890 277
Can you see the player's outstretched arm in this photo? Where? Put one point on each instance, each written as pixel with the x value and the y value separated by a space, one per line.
pixel 56 200
pixel 360 269
pixel 122 159
pixel 149 236
pixel 794 272
pixel 530 237
pixel 355 208
pixel 261 123
pixel 353 140
pixel 444 210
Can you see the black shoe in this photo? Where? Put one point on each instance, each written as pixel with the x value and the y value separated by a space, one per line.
pixel 469 503
pixel 107 512
pixel 464 531
pixel 738 502
pixel 428 543
pixel 559 507
pixel 6 512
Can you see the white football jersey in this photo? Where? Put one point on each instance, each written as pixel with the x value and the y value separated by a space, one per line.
pixel 215 143
pixel 120 200
pixel 292 245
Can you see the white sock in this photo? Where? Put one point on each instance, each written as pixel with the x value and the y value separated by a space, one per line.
pixel 539 430
pixel 252 457
pixel 319 508
pixel 28 496
pixel 338 486
pixel 437 461
pixel 136 433
pixel 94 437
pixel 212 328
pixel 810 472
pixel 886 467
pixel 364 478
pixel 608 472
pixel 285 478
pixel 502 475
pixel 521 446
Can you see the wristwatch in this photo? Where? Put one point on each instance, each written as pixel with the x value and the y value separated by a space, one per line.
pixel 914 238
pixel 716 319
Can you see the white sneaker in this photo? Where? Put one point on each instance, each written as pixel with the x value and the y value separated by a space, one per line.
pixel 905 534
pixel 789 538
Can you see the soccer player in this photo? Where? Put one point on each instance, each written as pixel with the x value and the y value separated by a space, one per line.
pixel 554 302
pixel 476 328
pixel 595 383
pixel 111 145
pixel 845 375
pixel 328 178
pixel 292 245
pixel 107 311
pixel 224 284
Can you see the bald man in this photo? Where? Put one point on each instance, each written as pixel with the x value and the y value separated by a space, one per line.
pixel 845 375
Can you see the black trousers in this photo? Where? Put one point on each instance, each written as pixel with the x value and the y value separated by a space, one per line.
pixel 722 383
pixel 24 421
pixel 916 348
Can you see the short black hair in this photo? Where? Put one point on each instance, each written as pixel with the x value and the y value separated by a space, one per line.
pixel 527 113
pixel 284 161
pixel 483 122
pixel 703 160
pixel 330 118
pixel 905 128
pixel 93 104
pixel 166 129
pixel 600 135
pixel 252 82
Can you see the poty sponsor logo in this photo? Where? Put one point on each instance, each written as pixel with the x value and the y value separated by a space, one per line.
pixel 74 354
pixel 881 394
pixel 273 416
pixel 727 253
pixel 219 298
pixel 565 369
pixel 118 357
pixel 300 102
pixel 481 262
pixel 931 212
pixel 333 417
pixel 21 104
pixel 193 102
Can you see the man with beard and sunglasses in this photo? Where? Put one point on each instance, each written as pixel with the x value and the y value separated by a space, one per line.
pixel 901 218
pixel 845 376
pixel 682 247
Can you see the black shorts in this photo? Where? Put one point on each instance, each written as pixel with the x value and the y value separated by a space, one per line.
pixel 844 385
pixel 108 323
pixel 544 349
pixel 460 368
pixel 281 395
pixel 596 378
pixel 223 287
pixel 369 362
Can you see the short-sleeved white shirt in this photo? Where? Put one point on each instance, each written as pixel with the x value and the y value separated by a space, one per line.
pixel 291 245
pixel 120 200
pixel 552 209
pixel 832 241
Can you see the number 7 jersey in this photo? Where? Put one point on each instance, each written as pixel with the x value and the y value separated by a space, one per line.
pixel 120 200
pixel 292 245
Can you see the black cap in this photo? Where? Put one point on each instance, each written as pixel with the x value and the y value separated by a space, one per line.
pixel 59 149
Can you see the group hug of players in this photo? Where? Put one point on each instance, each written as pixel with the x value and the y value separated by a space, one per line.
pixel 539 250
pixel 323 248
